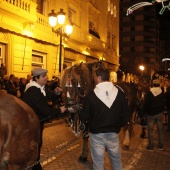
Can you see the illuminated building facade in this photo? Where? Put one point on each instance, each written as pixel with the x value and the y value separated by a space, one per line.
pixel 27 40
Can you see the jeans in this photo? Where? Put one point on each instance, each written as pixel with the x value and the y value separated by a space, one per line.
pixel 151 120
pixel 98 143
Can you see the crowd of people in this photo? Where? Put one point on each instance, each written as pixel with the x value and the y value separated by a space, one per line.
pixel 17 86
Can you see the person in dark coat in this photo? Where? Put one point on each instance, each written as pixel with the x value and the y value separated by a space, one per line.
pixel 167 103
pixel 154 106
pixel 36 96
pixel 106 110
pixel 22 86
pixel 11 87
pixel 3 70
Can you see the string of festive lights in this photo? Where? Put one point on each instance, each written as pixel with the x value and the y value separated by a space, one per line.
pixel 136 6
pixel 165 5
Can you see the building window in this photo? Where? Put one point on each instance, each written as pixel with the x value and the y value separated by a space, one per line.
pixel 92 30
pixel 93 20
pixel 38 60
pixel 108 39
pixel 40 5
pixel 132 49
pixel 132 38
pixel 72 16
pixel 2 54
pixel 132 28
pixel 67 63
pixel 113 37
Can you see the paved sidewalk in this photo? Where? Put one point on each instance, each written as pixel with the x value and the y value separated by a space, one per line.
pixel 56 135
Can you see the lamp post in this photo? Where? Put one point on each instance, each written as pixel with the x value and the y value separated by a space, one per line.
pixel 60 19
pixel 142 68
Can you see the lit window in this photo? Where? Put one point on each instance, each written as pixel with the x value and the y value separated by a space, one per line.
pixel 2 53
pixel 38 60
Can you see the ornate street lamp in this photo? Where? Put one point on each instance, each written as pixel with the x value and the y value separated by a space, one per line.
pixel 55 19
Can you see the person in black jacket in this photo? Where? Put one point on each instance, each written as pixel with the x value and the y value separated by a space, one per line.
pixel 3 70
pixel 36 96
pixel 11 87
pixel 154 106
pixel 167 103
pixel 106 110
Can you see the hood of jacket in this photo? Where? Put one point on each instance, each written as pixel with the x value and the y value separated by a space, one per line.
pixel 156 91
pixel 33 83
pixel 106 92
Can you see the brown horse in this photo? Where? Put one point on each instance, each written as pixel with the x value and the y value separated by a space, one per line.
pixel 130 93
pixel 19 133
pixel 76 82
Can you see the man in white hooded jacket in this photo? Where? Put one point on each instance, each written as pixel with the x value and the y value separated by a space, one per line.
pixel 153 106
pixel 106 110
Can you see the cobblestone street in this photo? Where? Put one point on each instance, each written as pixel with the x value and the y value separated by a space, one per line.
pixel 59 154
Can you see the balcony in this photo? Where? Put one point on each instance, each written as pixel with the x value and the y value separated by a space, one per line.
pixel 24 10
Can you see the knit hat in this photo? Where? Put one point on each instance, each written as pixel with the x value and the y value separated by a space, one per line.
pixel 39 71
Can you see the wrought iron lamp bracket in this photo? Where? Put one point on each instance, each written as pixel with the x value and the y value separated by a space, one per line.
pixel 59 32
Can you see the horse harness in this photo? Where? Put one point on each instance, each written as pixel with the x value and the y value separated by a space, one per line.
pixel 74 83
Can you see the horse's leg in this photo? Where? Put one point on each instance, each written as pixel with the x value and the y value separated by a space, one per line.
pixel 143 125
pixel 70 120
pixel 143 133
pixel 4 161
pixel 127 136
pixel 85 149
pixel 74 123
pixel 66 119
pixel 78 124
pixel 126 141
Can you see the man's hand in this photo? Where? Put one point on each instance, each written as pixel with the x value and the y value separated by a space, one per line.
pixel 57 91
pixel 63 109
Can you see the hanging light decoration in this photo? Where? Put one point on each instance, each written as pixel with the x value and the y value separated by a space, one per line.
pixel 165 5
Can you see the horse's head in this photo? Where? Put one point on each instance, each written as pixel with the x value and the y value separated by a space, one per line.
pixel 76 83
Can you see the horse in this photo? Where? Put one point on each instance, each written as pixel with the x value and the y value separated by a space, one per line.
pixel 130 93
pixel 19 133
pixel 142 89
pixel 76 82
